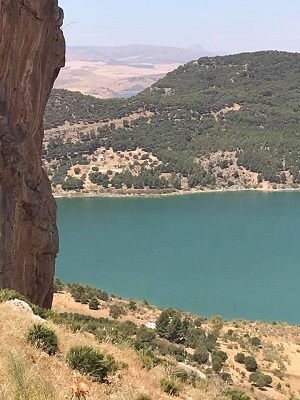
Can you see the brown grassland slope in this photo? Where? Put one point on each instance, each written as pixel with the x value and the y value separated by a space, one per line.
pixel 28 373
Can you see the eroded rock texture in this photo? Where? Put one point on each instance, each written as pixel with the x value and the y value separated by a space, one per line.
pixel 32 50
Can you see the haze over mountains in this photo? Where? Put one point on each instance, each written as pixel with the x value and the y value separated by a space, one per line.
pixel 135 54
pixel 121 71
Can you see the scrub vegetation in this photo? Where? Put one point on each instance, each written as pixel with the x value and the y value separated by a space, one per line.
pixel 119 357
pixel 228 123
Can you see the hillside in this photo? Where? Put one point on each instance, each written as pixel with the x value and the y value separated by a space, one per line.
pixel 185 356
pixel 120 71
pixel 110 80
pixel 228 122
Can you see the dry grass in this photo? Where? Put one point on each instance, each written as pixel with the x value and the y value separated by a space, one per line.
pixel 27 373
pixel 64 302
pixel 279 350
pixel 106 81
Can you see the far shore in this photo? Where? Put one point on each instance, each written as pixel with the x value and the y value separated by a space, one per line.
pixel 148 194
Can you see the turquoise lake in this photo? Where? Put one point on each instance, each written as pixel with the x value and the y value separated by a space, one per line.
pixel 233 254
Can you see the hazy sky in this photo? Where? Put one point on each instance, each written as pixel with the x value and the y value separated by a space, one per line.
pixel 217 25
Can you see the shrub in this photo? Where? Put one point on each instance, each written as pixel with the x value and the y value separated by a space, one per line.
pixel 221 355
pixel 279 373
pixel 240 358
pixel 147 359
pixel 260 379
pixel 170 386
pixel 201 355
pixel 145 335
pixel 211 342
pixel 255 341
pixel 217 364
pixel 58 286
pixel 88 361
pixel 128 328
pixel 226 377
pixel 224 164
pixel 43 338
pixel 268 379
pixel 115 311
pixel 195 337
pixel 237 395
pixel 132 305
pixel 8 294
pixel 218 359
pixel 250 364
pixel 143 396
pixel 217 324
pixel 94 304
pixel 198 322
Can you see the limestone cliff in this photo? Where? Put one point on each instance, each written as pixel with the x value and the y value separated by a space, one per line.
pixel 32 50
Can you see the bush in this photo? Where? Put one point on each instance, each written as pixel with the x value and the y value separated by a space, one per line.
pixel 88 361
pixel 145 335
pixel 217 364
pixel 268 379
pixel 198 322
pixel 237 395
pixel 8 294
pixel 255 341
pixel 43 338
pixel 143 396
pixel 224 164
pixel 226 377
pixel 221 355
pixel 170 386
pixel 260 379
pixel 279 373
pixel 58 286
pixel 94 304
pixel 71 183
pixel 132 305
pixel 250 364
pixel 240 358
pixel 146 356
pixel 115 311
pixel 201 355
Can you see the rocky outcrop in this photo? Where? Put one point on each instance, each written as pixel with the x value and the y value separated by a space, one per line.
pixel 32 50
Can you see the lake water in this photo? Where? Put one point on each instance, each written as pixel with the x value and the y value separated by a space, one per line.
pixel 233 254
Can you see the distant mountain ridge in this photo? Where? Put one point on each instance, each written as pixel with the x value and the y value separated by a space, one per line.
pixel 121 71
pixel 229 122
pixel 136 54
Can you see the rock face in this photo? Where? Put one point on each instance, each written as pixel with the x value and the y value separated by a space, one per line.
pixel 32 51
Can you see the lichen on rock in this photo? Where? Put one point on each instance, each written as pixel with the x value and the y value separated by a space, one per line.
pixel 32 51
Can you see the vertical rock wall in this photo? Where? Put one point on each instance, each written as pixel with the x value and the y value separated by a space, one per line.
pixel 32 50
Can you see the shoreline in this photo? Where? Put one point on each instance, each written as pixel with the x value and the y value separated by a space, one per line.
pixel 145 194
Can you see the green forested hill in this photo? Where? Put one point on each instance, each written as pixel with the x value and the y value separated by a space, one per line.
pixel 246 106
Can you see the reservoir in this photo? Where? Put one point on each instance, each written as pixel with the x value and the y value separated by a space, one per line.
pixel 236 254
